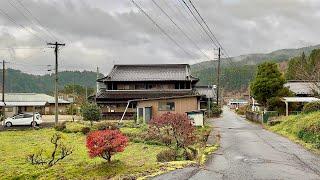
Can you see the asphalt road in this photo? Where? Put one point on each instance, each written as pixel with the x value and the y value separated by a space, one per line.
pixel 249 152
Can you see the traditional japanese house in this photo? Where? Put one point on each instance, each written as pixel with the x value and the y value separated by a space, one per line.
pixel 132 82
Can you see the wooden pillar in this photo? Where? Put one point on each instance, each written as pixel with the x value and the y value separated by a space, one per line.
pixel 33 110
pixel 287 108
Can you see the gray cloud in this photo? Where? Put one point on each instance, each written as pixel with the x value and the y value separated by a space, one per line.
pixel 104 32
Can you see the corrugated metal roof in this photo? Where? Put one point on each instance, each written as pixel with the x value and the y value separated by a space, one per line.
pixel 300 99
pixel 305 88
pixel 150 72
pixel 30 97
pixel 23 103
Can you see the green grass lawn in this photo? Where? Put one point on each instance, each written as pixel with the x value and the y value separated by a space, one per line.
pixel 138 158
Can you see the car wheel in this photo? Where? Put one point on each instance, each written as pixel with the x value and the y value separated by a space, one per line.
pixel 33 124
pixel 8 124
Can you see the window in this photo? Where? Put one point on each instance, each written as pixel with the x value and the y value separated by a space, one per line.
pixel 140 86
pixel 151 86
pixel 8 109
pixel 166 106
pixel 27 115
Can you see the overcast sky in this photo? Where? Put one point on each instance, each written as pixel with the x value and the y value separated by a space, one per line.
pixel 106 32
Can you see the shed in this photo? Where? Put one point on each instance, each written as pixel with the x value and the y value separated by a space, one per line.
pixel 288 100
pixel 197 117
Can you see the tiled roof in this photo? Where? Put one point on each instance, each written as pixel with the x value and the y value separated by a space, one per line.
pixel 303 88
pixel 150 72
pixel 206 91
pixel 30 97
pixel 129 95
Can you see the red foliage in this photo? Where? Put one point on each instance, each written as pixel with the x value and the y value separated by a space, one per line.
pixel 106 143
pixel 179 125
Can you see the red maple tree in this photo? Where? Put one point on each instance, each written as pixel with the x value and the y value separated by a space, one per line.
pixel 179 125
pixel 106 143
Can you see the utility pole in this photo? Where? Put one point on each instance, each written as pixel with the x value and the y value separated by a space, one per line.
pixel 98 86
pixel 73 99
pixel 3 82
pixel 56 49
pixel 86 94
pixel 218 76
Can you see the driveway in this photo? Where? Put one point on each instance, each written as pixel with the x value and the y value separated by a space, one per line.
pixel 249 152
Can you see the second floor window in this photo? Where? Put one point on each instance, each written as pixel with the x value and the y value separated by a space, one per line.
pixel 166 106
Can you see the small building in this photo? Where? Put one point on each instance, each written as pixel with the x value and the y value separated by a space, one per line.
pixel 303 88
pixel 24 102
pixel 303 100
pixel 236 103
pixel 148 108
pixel 197 117
pixel 208 95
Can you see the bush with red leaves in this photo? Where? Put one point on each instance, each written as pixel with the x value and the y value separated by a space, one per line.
pixel 177 126
pixel 106 143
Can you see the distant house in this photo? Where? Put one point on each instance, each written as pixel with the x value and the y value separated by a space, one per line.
pixel 24 102
pixel 148 83
pixel 303 88
pixel 208 95
pixel 236 103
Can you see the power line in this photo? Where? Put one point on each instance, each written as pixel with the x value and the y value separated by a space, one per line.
pixel 203 20
pixel 203 28
pixel 180 29
pixel 187 20
pixel 22 13
pixel 37 20
pixel 21 26
pixel 161 29
pixel 13 48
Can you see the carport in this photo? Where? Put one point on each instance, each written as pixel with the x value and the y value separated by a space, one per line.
pixel 16 105
pixel 288 100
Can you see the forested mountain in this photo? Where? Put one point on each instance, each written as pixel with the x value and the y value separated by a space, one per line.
pixel 17 81
pixel 237 73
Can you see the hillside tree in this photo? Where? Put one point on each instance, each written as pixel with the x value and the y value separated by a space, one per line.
pixel 268 82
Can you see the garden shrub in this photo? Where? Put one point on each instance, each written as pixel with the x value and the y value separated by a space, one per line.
pixel 90 112
pixel 106 143
pixel 311 107
pixel 85 130
pixel 60 126
pixel 190 154
pixel 167 155
pixel 74 127
pixel 106 125
pixel 216 110
pixel 60 151
pixel 242 110
pixel 177 126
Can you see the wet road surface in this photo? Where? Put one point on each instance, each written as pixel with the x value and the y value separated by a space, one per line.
pixel 249 152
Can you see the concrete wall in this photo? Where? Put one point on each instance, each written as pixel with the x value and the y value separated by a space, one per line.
pixel 253 116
